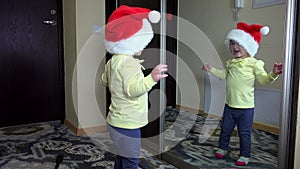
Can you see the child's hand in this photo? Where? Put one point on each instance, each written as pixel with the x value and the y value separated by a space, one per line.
pixel 156 72
pixel 206 67
pixel 277 69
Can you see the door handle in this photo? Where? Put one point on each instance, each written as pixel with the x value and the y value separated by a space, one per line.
pixel 50 22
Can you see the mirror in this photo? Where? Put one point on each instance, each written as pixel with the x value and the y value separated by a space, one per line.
pixel 202 27
pixel 191 128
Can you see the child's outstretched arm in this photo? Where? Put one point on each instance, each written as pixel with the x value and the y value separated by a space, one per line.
pixel 262 77
pixel 219 73
pixel 135 84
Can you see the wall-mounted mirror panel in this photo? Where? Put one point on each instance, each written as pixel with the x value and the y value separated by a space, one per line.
pixel 189 106
pixel 202 29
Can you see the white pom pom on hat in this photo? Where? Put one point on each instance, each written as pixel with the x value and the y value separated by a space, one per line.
pixel 248 36
pixel 154 16
pixel 265 30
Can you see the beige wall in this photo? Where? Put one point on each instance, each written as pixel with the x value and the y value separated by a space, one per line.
pixel 215 18
pixel 70 53
pixel 83 55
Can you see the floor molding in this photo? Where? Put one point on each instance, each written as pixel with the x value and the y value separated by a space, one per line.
pixel 257 125
pixel 85 131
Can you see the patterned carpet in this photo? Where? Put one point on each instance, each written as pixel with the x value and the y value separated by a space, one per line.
pixel 36 146
pixel 190 140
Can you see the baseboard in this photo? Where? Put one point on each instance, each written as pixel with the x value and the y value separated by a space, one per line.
pixel 266 127
pixel 85 131
pixel 200 112
pixel 257 125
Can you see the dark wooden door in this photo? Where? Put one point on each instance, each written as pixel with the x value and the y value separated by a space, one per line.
pixel 151 55
pixel 31 68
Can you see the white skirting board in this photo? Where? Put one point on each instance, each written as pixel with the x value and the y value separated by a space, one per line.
pixel 267 101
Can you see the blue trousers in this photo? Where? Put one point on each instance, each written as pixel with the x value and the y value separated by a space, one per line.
pixel 127 143
pixel 243 119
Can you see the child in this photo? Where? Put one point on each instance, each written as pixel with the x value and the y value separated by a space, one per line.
pixel 127 33
pixel 240 74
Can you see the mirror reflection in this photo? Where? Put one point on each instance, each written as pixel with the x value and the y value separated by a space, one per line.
pixel 215 19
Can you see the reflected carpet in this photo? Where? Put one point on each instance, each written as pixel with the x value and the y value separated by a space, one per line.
pixel 197 149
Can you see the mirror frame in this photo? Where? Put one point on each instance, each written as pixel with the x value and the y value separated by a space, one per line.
pixel 286 145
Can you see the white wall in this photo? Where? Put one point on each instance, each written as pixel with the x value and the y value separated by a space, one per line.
pixel 267 106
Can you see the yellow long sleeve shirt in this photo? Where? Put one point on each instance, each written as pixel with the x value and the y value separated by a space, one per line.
pixel 128 87
pixel 240 75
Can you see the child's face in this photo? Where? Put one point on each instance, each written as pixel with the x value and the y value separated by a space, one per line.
pixel 237 50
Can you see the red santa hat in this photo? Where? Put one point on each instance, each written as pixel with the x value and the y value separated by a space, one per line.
pixel 248 36
pixel 128 29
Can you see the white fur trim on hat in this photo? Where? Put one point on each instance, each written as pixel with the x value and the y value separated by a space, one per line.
pixel 244 39
pixel 134 44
